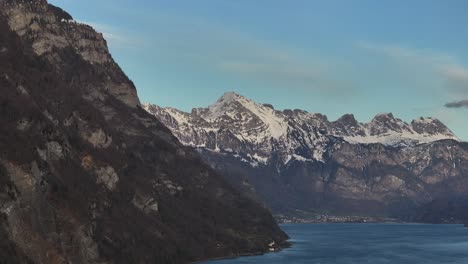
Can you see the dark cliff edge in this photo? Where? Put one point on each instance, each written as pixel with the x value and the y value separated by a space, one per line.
pixel 86 175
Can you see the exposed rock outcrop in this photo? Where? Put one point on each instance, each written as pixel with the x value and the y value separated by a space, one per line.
pixel 50 29
pixel 86 175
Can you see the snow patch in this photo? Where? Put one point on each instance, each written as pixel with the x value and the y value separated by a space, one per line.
pixel 258 131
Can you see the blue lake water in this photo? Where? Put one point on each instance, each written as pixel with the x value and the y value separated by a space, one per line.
pixel 368 243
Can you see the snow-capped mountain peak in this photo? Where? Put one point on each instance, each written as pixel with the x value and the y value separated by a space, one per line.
pixel 430 125
pixel 225 105
pixel 386 123
pixel 242 126
pixel 252 117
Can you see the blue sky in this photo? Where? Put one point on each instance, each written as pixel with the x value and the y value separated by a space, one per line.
pixel 334 57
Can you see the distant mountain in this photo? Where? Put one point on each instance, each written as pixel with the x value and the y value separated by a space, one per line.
pixel 240 124
pixel 88 176
pixel 299 161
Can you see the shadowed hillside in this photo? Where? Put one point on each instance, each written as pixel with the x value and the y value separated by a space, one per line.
pixel 86 175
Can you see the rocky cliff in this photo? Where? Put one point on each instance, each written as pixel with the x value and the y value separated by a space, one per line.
pixel 297 161
pixel 88 176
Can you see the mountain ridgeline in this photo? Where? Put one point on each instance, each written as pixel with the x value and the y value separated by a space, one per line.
pixel 300 163
pixel 88 176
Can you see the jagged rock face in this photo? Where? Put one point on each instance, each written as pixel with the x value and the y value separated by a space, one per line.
pixel 237 124
pixel 86 175
pixel 365 179
pixel 298 160
pixel 430 126
pixel 50 29
pixel 240 125
pixel 347 126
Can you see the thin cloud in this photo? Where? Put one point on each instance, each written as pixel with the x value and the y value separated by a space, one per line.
pixel 402 52
pixel 457 104
pixel 283 71
pixel 444 66
pixel 457 77
pixel 245 57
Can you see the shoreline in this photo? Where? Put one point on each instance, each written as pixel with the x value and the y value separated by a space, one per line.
pixel 358 219
pixel 307 250
pixel 395 221
pixel 329 219
pixel 287 244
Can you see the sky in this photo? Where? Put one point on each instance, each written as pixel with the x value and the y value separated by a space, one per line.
pixel 333 57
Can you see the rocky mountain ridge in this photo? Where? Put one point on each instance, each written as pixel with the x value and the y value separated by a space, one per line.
pixel 236 123
pixel 88 176
pixel 298 161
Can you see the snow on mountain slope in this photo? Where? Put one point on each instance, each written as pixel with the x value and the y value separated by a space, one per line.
pixel 259 132
pixel 296 161
pixel 388 130
pixel 264 121
pixel 237 124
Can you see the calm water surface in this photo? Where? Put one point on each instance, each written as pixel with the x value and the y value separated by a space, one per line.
pixel 368 243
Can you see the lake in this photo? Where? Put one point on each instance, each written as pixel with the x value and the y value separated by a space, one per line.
pixel 368 243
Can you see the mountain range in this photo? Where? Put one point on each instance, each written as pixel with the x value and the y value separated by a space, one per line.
pixel 88 174
pixel 295 161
